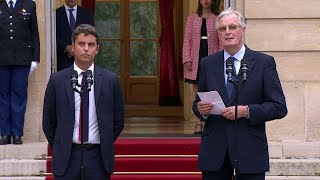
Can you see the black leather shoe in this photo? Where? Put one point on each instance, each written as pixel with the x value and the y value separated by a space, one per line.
pixel 4 140
pixel 17 140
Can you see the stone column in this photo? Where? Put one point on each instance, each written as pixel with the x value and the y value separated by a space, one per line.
pixel 37 83
pixel 190 6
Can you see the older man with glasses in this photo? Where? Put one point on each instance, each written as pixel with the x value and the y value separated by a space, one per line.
pixel 234 142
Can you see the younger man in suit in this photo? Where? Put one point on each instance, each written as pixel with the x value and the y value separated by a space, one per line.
pixel 260 99
pixel 68 17
pixel 64 112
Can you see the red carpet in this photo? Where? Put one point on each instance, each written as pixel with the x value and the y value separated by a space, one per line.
pixel 154 159
pixel 151 177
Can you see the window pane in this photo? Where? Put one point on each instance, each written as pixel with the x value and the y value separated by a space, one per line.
pixel 107 19
pixel 143 20
pixel 109 56
pixel 143 58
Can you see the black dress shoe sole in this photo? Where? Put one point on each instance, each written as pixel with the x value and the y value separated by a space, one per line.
pixel 17 141
pixel 5 141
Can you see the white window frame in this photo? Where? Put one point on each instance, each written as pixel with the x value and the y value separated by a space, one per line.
pixel 51 57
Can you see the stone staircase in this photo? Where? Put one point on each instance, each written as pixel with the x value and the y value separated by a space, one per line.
pixel 289 161
pixel 17 162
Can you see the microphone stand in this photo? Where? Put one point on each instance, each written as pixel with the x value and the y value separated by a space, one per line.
pixel 235 82
pixel 81 92
pixel 236 104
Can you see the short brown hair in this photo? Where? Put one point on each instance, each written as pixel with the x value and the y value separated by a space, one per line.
pixel 85 29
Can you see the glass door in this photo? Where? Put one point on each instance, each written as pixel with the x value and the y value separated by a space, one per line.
pixel 129 46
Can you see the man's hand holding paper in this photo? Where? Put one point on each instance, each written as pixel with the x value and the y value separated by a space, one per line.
pixel 205 108
pixel 211 103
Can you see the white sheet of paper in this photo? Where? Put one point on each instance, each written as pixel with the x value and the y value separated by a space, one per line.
pixel 214 98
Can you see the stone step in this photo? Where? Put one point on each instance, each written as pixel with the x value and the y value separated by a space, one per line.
pixel 291 159
pixel 292 177
pixel 277 150
pixel 23 178
pixel 25 167
pixel 29 150
pixel 286 167
pixel 267 178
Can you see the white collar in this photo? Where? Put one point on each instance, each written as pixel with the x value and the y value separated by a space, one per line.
pixel 67 7
pixel 14 2
pixel 239 55
pixel 80 70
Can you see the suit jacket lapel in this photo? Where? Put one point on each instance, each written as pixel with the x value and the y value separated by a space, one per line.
pixel 97 76
pixel 250 57
pixel 221 78
pixel 65 18
pixel 19 6
pixel 251 62
pixel 69 89
pixel 78 15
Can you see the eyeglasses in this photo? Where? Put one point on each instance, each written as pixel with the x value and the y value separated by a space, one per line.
pixel 231 27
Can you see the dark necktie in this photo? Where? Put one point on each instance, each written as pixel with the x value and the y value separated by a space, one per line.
pixel 230 85
pixel 84 110
pixel 11 4
pixel 72 20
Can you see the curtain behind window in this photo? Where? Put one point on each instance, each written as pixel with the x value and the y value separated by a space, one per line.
pixel 169 94
pixel 89 4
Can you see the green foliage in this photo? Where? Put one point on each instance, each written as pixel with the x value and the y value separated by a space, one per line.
pixel 143 58
pixel 109 56
pixel 143 20
pixel 107 19
pixel 143 24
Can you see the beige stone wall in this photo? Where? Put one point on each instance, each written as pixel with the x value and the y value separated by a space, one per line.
pixel 37 84
pixel 290 33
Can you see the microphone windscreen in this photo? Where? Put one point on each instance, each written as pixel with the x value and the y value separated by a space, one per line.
pixel 74 73
pixel 89 73
pixel 244 61
pixel 229 62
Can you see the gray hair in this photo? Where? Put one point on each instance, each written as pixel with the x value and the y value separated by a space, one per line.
pixel 227 12
pixel 85 29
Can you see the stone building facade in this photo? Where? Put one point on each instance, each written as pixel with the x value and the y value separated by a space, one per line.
pixel 287 30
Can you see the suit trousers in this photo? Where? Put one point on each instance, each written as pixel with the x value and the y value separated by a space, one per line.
pixel 226 173
pixel 13 99
pixel 93 165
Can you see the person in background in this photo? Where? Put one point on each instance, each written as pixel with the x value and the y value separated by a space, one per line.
pixel 227 147
pixel 200 39
pixel 101 112
pixel 68 17
pixel 20 55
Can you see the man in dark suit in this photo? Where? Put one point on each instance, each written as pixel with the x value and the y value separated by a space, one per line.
pixel 19 56
pixel 65 24
pixel 62 115
pixel 261 99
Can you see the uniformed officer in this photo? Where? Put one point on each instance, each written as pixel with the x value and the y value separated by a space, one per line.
pixel 19 56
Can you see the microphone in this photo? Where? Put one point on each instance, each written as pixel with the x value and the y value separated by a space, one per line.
pixel 89 79
pixel 74 79
pixel 244 69
pixel 229 68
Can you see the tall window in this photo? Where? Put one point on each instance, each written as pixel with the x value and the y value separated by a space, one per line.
pixel 129 45
pixel 131 30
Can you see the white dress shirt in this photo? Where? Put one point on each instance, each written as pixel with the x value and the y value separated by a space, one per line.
pixel 239 56
pixel 94 136
pixel 14 3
